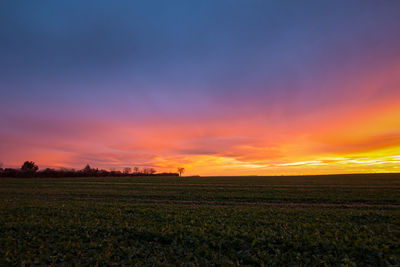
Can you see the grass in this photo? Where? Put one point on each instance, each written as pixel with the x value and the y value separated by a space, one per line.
pixel 304 220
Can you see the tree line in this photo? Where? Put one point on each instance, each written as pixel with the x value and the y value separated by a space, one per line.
pixel 30 169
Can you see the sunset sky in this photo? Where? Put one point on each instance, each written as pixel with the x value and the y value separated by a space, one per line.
pixel 218 87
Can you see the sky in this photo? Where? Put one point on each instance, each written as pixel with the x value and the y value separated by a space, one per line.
pixel 223 87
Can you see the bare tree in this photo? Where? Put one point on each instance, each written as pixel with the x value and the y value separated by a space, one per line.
pixel 127 170
pixel 181 170
pixel 149 171
pixel 136 170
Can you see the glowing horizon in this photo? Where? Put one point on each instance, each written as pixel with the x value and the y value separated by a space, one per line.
pixel 217 88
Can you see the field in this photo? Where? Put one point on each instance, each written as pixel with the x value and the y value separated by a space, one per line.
pixel 305 220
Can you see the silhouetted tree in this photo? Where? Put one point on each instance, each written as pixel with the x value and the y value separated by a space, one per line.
pixel 29 166
pixel 115 173
pixel 136 170
pixel 50 173
pixel 30 170
pixel 181 170
pixel 149 171
pixel 8 172
pixel 127 170
pixel 87 169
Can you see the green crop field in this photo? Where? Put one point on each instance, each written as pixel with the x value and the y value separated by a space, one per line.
pixel 224 221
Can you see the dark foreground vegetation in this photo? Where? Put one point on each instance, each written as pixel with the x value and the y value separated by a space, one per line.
pixel 224 221
pixel 30 170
